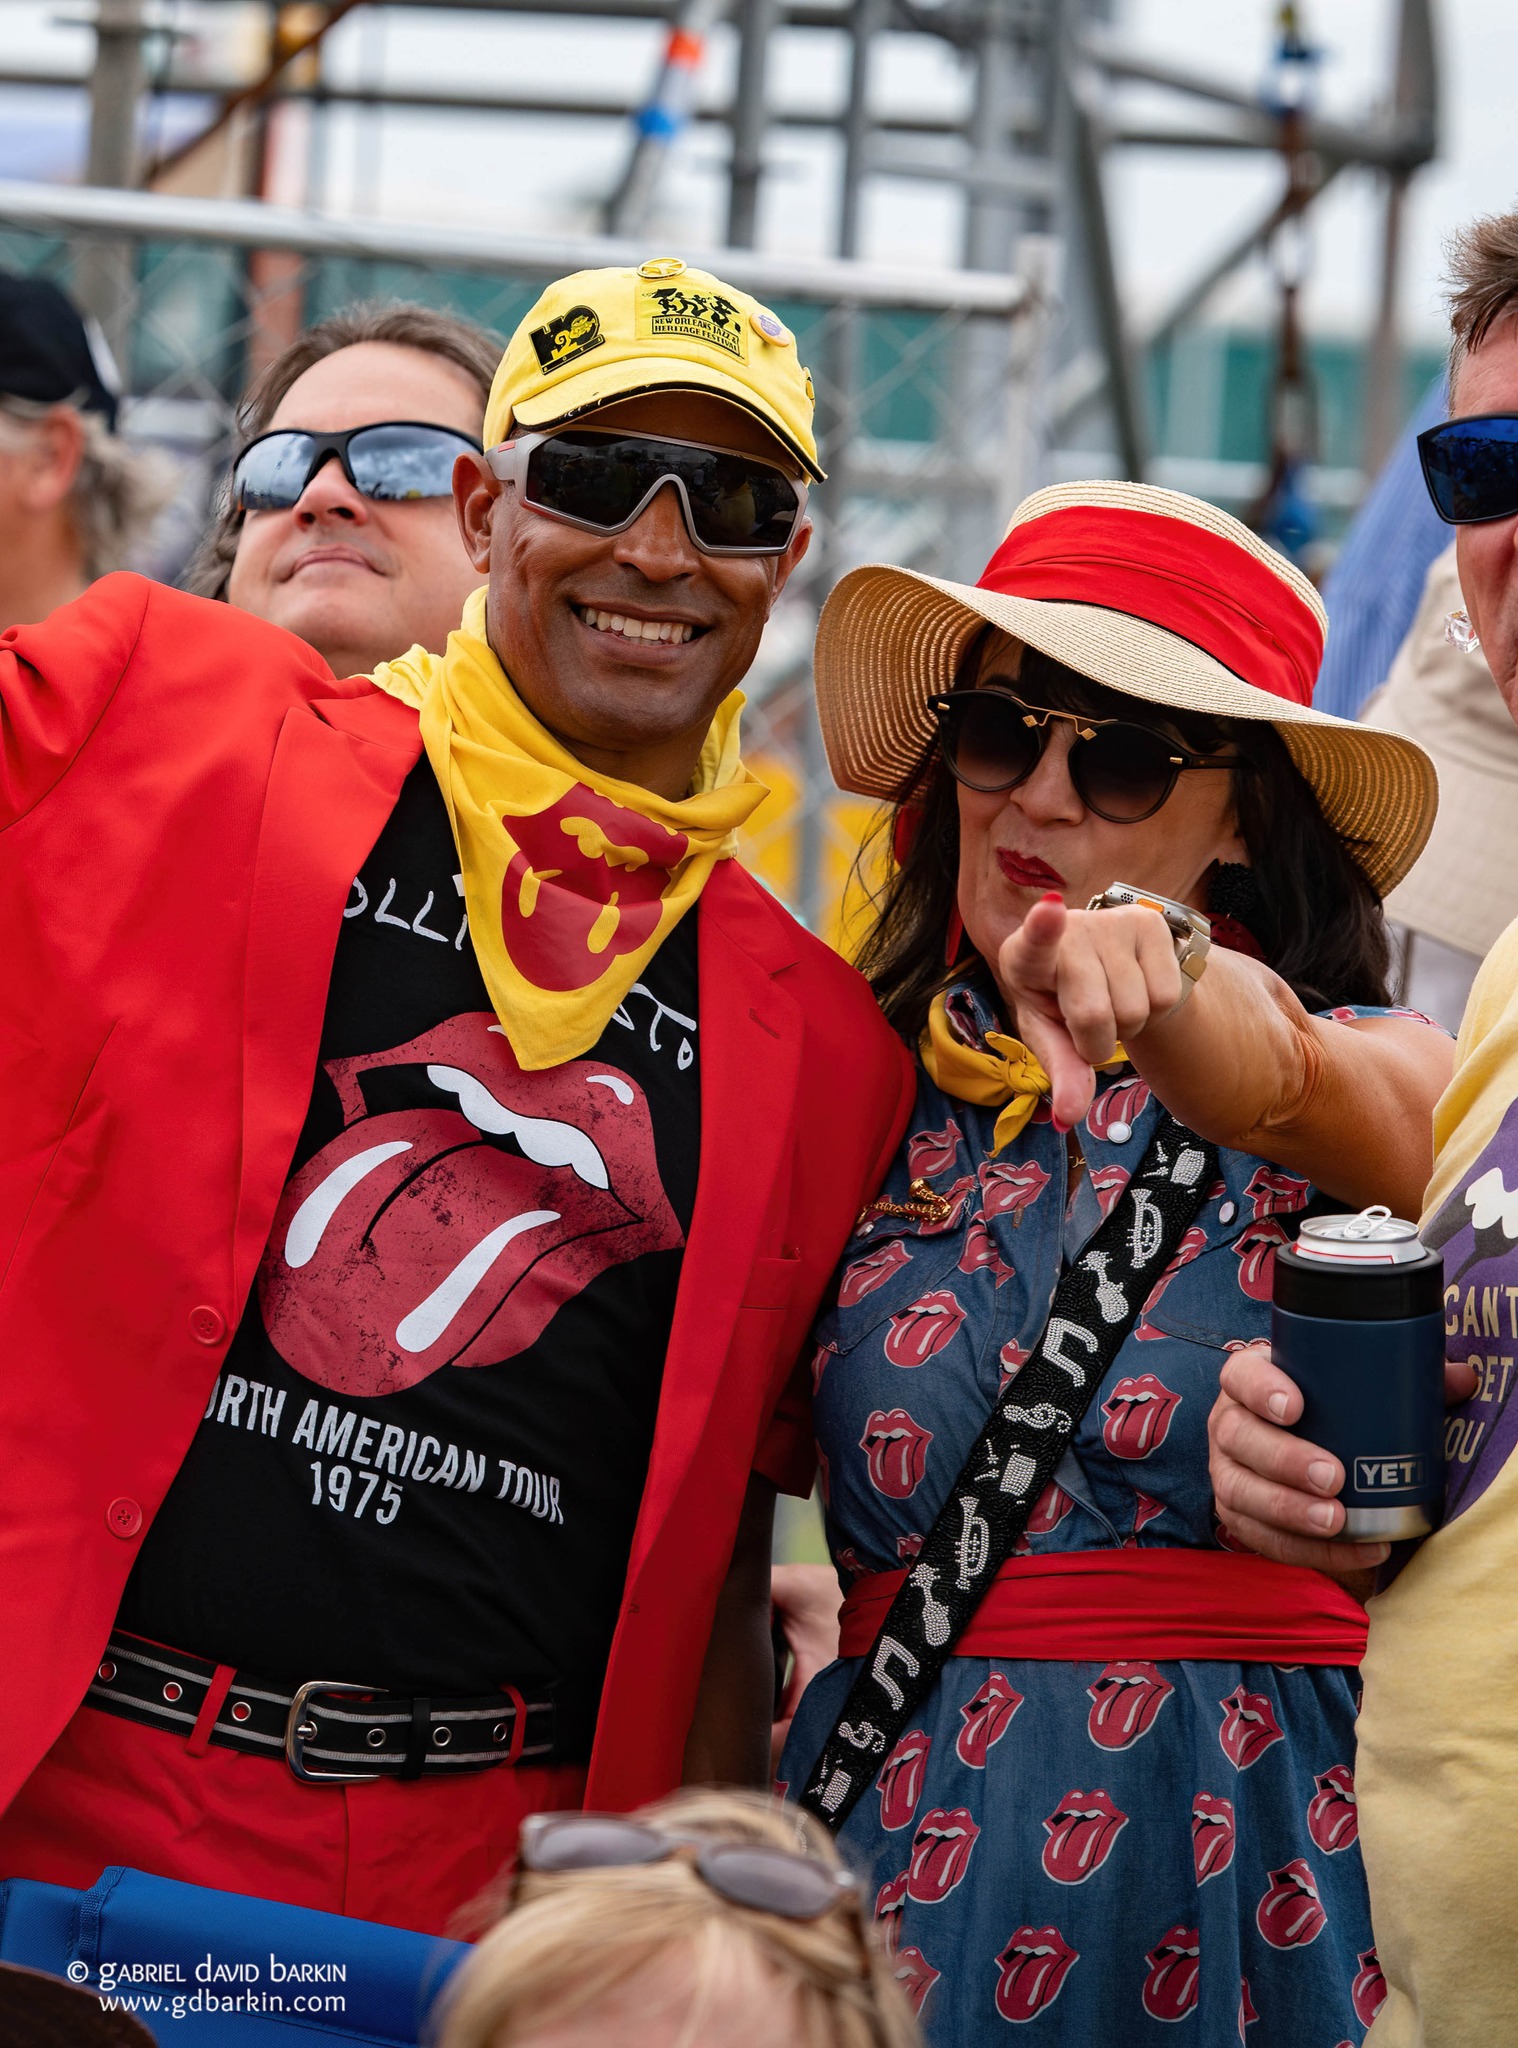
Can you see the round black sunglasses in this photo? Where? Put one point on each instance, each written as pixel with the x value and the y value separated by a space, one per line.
pixel 1124 772
pixel 1471 467
pixel 390 460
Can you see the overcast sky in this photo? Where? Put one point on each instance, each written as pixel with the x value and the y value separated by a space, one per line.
pixel 548 175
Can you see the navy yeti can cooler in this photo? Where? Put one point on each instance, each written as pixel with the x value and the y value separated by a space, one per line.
pixel 1358 1322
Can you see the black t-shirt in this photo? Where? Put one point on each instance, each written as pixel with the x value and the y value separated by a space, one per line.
pixel 422 1462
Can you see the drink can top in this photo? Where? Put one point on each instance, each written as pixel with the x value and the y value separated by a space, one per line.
pixel 1372 1238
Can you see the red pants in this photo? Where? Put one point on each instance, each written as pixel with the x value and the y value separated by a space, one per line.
pixel 406 1854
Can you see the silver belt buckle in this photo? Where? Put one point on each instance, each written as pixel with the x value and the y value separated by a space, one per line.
pixel 299 1731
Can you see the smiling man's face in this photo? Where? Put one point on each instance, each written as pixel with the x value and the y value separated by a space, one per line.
pixel 624 704
pixel 359 579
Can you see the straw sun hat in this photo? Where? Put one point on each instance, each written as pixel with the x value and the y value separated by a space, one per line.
pixel 1150 592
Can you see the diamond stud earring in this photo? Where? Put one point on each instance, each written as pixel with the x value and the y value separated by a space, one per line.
pixel 1459 633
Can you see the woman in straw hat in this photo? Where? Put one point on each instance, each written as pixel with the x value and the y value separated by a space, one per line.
pixel 1133 924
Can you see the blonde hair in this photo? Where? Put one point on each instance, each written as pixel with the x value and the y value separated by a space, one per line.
pixel 575 1939
pixel 119 489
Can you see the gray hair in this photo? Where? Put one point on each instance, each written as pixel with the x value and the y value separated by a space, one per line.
pixel 120 488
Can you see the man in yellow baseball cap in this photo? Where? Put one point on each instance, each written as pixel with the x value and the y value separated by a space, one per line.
pixel 612 334
pixel 473 1145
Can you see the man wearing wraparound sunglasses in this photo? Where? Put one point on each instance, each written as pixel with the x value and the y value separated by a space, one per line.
pixel 407 1273
pixel 1437 1773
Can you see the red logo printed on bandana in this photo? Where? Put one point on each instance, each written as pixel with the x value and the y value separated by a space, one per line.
pixel 451 1231
pixel 583 888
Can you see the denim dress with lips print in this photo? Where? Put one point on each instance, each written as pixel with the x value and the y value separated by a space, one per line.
pixel 1098 1854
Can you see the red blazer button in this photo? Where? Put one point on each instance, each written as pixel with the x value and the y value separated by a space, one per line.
pixel 123 1518
pixel 207 1325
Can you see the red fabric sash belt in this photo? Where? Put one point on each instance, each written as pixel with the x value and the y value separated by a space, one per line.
pixel 1106 1606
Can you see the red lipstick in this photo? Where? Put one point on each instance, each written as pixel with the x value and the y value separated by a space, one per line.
pixel 1026 871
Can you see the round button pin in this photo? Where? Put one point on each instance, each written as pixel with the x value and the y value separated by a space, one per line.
pixel 1228 1211
pixel 764 322
pixel 123 1517
pixel 1119 1132
pixel 207 1325
pixel 662 266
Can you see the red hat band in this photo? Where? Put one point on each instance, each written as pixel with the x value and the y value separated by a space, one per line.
pixel 1195 584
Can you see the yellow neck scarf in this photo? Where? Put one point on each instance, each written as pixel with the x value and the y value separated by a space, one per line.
pixel 571 879
pixel 1007 1073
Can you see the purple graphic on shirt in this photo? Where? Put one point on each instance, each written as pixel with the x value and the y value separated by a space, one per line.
pixel 1477 1232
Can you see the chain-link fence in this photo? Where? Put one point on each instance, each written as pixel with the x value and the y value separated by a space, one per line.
pixel 924 389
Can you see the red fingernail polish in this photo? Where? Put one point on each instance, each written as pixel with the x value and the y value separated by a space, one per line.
pixel 1051 896
pixel 1063 1129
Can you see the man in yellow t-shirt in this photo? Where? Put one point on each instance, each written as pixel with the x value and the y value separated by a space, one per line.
pixel 1437 1769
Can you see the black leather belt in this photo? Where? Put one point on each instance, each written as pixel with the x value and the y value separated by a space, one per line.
pixel 327 1732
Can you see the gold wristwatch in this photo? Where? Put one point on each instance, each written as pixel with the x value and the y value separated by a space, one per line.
pixel 1191 932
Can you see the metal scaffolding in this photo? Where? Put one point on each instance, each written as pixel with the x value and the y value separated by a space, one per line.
pixel 1029 340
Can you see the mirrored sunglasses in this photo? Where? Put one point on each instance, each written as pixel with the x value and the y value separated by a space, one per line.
pixel 1122 771
pixel 392 460
pixel 734 504
pixel 1471 468
pixel 752 1874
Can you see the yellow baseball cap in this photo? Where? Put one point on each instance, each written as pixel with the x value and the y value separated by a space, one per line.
pixel 605 334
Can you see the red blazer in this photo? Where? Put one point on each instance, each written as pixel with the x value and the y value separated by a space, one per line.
pixel 185 797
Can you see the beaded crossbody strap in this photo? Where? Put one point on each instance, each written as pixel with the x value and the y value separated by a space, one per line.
pixel 1013 1459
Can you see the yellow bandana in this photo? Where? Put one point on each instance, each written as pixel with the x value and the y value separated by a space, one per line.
pixel 571 879
pixel 1008 1073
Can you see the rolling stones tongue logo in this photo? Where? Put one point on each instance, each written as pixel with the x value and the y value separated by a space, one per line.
pixel 1120 1105
pixel 1333 1816
pixel 1138 1415
pixel 1050 1510
pixel 1081 1831
pixel 987 1717
pixel 872 1271
pixel 450 1230
pixel 1247 2013
pixel 890 1904
pixel 897 1450
pixel 1175 1970
pixel 1249 1727
pixel 1212 1835
pixel 1034 1965
pixel 900 1780
pixel 584 886
pixel 1124 1702
pixel 930 1152
pixel 1291 1914
pixel 940 1854
pixel 1368 1992
pixel 921 1331
pixel 1011 1190
pixel 916 1976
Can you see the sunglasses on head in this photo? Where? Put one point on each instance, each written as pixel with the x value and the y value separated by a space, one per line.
pixel 1471 467
pixel 393 460
pixel 752 1874
pixel 734 504
pixel 1124 772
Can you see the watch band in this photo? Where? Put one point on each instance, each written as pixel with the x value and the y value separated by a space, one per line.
pixel 1189 929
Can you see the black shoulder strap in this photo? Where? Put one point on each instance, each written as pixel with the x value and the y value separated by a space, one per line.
pixel 1013 1459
